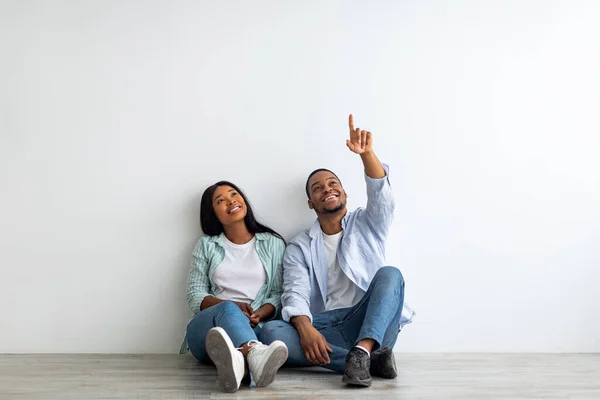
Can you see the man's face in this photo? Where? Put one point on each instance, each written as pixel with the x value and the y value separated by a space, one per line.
pixel 327 195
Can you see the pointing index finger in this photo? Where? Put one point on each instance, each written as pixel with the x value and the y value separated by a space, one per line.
pixel 351 122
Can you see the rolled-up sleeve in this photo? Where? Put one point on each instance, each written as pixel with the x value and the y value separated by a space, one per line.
pixel 380 203
pixel 198 285
pixel 296 284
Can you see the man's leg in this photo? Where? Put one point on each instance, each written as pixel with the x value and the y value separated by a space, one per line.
pixel 371 324
pixel 281 330
pixel 377 315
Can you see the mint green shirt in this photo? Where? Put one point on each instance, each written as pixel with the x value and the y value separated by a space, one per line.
pixel 208 256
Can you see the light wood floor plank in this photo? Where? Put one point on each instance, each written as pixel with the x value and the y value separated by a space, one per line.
pixel 421 376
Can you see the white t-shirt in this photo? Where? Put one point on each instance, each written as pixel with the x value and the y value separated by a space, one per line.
pixel 340 289
pixel 241 274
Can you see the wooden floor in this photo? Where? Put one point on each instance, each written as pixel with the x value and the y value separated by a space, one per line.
pixel 421 376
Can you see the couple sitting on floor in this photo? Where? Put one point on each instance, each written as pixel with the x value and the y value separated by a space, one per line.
pixel 340 308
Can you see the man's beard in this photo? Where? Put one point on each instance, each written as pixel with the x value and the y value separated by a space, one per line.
pixel 335 210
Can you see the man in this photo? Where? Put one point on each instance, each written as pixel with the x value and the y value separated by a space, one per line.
pixel 343 307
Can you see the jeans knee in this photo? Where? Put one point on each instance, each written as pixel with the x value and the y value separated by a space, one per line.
pixel 391 275
pixel 271 326
pixel 227 307
pixel 272 330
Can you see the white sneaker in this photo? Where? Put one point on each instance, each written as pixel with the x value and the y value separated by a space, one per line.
pixel 229 361
pixel 264 361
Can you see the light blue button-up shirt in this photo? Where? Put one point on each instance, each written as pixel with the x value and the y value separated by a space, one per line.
pixel 360 254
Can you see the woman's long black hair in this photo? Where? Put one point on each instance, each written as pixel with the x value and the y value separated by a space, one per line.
pixel 211 224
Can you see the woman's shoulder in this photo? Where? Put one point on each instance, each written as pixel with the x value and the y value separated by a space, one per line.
pixel 270 239
pixel 205 245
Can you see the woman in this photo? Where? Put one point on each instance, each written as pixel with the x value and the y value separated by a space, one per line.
pixel 234 285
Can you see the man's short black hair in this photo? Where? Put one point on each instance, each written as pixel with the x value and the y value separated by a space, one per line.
pixel 316 171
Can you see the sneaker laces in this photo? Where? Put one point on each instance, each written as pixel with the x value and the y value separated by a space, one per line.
pixel 253 344
pixel 359 360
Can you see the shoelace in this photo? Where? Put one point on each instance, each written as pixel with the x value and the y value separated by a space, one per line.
pixel 250 345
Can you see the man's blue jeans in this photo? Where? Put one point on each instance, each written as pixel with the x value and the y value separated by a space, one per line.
pixel 228 316
pixel 376 316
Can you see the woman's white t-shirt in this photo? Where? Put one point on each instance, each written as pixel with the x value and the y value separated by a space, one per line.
pixel 241 274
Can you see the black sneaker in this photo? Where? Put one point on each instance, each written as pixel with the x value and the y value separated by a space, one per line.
pixel 383 363
pixel 358 364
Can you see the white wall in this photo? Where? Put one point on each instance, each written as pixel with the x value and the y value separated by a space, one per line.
pixel 114 116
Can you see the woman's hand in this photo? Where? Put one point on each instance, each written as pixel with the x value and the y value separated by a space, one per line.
pixel 262 314
pixel 255 319
pixel 245 307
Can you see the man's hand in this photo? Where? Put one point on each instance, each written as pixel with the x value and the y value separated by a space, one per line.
pixel 361 141
pixel 315 346
pixel 316 349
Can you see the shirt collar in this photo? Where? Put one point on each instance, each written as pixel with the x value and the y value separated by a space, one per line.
pixel 315 229
pixel 219 238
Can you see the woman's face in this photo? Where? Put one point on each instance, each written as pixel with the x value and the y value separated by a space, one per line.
pixel 229 205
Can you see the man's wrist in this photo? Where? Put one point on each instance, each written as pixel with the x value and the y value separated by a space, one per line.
pixel 367 154
pixel 301 322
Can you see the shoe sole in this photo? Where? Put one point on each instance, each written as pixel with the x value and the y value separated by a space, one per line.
pixel 275 361
pixel 357 382
pixel 219 348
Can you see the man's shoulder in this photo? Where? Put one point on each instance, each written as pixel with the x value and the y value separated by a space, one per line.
pixel 301 239
pixel 352 216
pixel 298 251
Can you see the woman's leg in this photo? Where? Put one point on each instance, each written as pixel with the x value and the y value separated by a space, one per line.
pixel 226 315
pixel 222 334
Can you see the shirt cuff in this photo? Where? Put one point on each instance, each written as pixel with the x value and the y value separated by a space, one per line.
pixel 290 312
pixel 378 183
